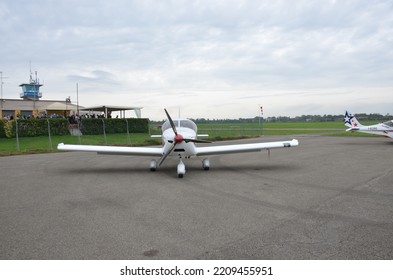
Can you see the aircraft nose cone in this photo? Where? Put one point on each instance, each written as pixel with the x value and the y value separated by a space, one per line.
pixel 178 139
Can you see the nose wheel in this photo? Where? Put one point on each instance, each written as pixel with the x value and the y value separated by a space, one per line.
pixel 181 169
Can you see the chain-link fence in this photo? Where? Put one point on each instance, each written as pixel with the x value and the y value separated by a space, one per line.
pixel 44 134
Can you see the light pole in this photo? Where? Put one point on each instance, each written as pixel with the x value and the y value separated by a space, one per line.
pixel 68 100
pixel 260 118
pixel 77 99
pixel 1 83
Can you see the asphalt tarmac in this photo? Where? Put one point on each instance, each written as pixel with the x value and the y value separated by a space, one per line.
pixel 329 198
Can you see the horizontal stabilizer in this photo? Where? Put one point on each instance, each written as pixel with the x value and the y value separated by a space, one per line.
pixel 202 135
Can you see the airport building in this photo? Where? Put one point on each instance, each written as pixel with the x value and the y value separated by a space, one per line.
pixel 30 105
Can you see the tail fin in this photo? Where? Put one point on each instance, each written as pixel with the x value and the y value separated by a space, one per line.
pixel 351 121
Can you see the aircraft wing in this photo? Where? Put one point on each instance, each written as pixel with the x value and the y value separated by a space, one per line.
pixel 244 148
pixel 113 150
pixel 352 129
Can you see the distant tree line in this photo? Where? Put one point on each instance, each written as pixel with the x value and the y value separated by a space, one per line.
pixel 303 118
pixel 328 118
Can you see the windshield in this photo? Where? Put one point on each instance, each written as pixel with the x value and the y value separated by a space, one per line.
pixel 180 123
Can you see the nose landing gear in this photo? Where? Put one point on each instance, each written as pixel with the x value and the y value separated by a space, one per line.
pixel 181 169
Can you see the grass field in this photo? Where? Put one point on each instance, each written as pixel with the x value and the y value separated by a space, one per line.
pixel 42 144
pixel 254 129
pixel 216 132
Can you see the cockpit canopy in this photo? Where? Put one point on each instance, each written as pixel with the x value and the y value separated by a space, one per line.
pixel 389 123
pixel 180 123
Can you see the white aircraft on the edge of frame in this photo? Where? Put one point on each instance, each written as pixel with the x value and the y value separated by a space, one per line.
pixel 385 129
pixel 179 137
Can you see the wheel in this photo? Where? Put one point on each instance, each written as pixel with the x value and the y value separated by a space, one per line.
pixel 181 169
pixel 153 165
pixel 206 164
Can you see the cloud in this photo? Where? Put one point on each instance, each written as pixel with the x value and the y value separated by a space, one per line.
pixel 147 53
pixel 94 77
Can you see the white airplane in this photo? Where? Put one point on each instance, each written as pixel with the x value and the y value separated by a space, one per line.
pixel 179 137
pixel 385 129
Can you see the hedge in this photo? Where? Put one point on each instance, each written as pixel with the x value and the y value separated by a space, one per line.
pixel 58 127
pixel 2 132
pixel 95 126
pixel 36 127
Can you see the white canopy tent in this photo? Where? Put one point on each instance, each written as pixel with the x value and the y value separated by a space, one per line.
pixel 109 109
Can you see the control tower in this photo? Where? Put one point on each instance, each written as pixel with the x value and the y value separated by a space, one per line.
pixel 31 91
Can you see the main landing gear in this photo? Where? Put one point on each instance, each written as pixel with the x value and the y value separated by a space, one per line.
pixel 153 165
pixel 206 164
pixel 181 168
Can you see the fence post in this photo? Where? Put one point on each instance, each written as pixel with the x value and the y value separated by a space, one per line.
pixel 128 134
pixel 79 131
pixel 17 136
pixel 103 127
pixel 50 139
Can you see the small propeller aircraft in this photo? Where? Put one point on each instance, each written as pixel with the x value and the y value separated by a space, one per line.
pixel 179 137
pixel 385 129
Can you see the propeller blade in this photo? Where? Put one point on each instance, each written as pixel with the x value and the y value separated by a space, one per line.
pixel 196 141
pixel 171 122
pixel 167 154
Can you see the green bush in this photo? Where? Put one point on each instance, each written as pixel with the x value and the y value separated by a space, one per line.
pixel 112 126
pixel 9 129
pixel 36 127
pixel 58 127
pixel 2 131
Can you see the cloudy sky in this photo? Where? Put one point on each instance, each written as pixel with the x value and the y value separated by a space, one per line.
pixel 212 59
